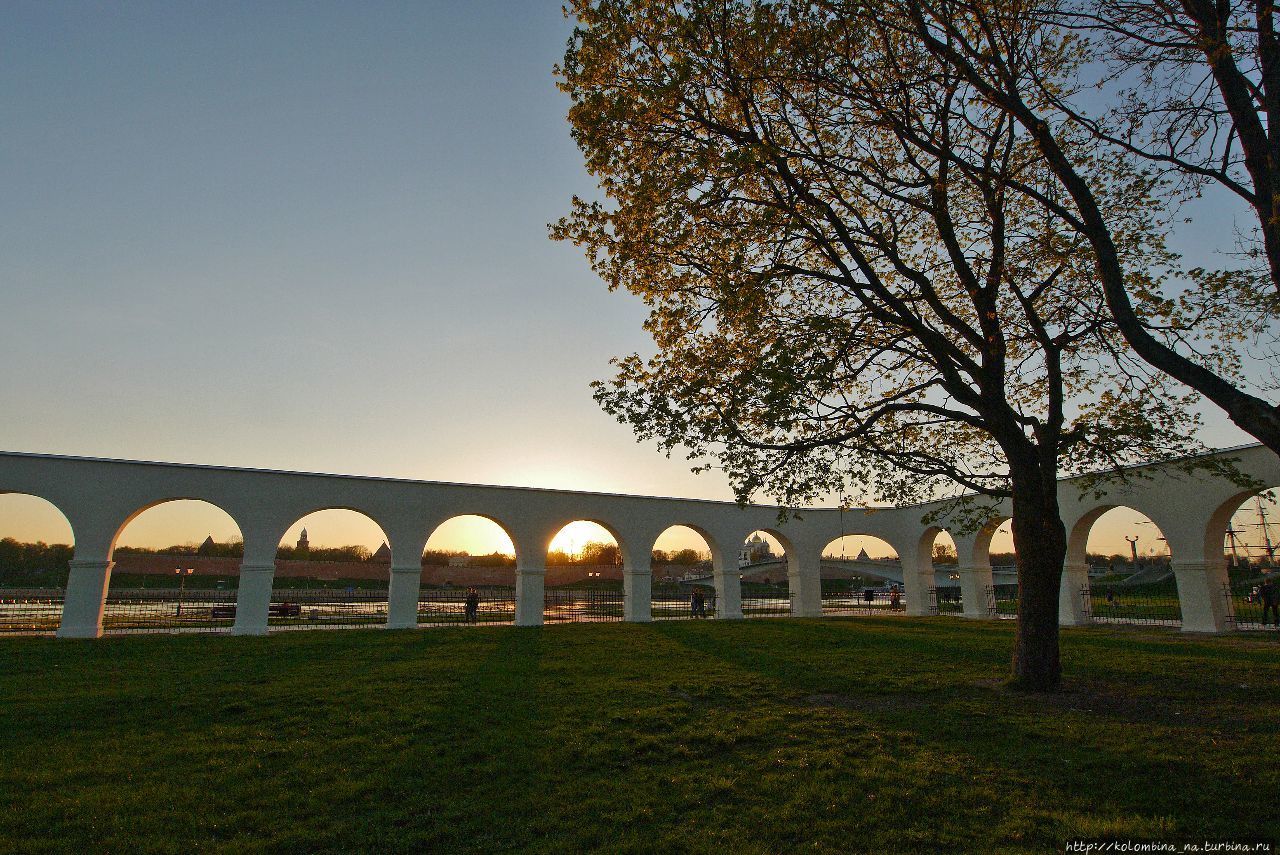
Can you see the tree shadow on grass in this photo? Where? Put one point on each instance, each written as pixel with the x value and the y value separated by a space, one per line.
pixel 1088 761
pixel 461 783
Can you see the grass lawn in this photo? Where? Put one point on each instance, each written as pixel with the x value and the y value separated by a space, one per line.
pixel 861 734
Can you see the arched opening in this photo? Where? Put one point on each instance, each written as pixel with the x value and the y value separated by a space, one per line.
pixel 1248 528
pixel 1131 576
pixel 944 560
pixel 1002 555
pixel 858 572
pixel 584 575
pixel 762 563
pixel 683 577
pixel 468 574
pixel 332 570
pixel 36 546
pixel 176 568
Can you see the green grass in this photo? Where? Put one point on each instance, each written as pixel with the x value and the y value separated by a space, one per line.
pixel 864 734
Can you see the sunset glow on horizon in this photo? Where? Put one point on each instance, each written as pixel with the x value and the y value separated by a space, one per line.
pixel 185 522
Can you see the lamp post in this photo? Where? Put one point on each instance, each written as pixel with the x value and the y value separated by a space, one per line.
pixel 182 584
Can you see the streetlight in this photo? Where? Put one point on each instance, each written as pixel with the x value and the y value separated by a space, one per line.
pixel 182 584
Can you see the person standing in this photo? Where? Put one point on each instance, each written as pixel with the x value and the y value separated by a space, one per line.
pixel 472 605
pixel 1270 596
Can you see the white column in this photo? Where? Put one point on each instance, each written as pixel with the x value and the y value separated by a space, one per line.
pixel 637 590
pixel 804 580
pixel 728 593
pixel 975 589
pixel 530 582
pixel 253 600
pixel 1071 595
pixel 916 584
pixel 85 599
pixel 402 597
pixel 1202 595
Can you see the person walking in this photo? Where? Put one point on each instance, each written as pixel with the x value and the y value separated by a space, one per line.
pixel 472 605
pixel 1269 593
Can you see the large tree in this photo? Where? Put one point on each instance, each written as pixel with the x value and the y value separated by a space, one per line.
pixel 846 290
pixel 1187 90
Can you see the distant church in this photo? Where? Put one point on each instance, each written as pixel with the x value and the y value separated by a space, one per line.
pixel 755 550
pixel 304 545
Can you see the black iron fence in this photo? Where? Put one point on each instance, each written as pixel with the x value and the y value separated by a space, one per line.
pixel 573 605
pixel 309 608
pixel 945 600
pixel 451 606
pixel 39 611
pixel 1246 609
pixel 1002 601
pixel 1150 605
pixel 679 602
pixel 761 599
pixel 839 599
pixel 34 610
pixel 168 610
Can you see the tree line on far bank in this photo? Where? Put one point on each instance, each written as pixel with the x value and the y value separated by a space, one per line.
pixel 45 561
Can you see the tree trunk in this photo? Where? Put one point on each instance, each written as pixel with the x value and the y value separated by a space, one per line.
pixel 1040 540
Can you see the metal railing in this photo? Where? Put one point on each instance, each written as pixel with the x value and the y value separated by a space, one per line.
pixel 1002 601
pixel 33 610
pixel 448 606
pixel 1145 605
pixel 766 600
pixel 168 610
pixel 945 600
pixel 1245 608
pixel 865 601
pixel 675 602
pixel 309 608
pixel 575 605
pixel 39 611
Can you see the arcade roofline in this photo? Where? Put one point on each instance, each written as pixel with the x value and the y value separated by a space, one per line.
pixel 563 491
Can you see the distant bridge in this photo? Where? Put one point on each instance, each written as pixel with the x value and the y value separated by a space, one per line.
pixel 887 570
pixel 99 497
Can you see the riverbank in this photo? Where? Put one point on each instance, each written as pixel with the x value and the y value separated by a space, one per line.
pixel 858 734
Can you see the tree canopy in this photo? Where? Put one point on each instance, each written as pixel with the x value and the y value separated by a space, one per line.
pixel 1186 92
pixel 856 271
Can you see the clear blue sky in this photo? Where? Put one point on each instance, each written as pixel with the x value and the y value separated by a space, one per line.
pixel 306 236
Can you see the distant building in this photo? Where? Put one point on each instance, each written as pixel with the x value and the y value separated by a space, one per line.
pixel 303 544
pixel 208 547
pixel 383 555
pixel 459 560
pixel 755 550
